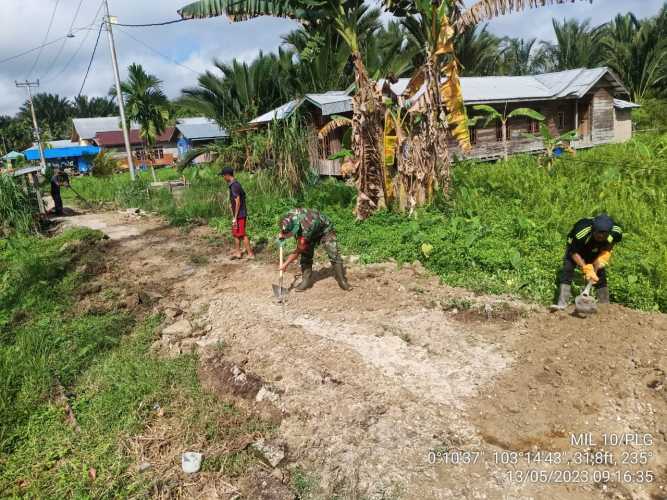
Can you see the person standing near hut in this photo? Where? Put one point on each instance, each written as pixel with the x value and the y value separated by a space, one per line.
pixel 59 179
pixel 237 198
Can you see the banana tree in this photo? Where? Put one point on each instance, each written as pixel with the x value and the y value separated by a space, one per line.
pixel 367 107
pixel 434 103
pixel 493 115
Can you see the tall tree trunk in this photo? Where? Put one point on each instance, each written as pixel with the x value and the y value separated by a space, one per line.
pixel 503 123
pixel 367 127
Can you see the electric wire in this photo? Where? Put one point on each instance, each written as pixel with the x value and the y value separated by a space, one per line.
pixel 78 50
pixel 62 45
pixel 157 51
pixel 165 23
pixel 46 37
pixel 97 42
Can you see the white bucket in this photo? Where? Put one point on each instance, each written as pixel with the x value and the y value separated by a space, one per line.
pixel 191 462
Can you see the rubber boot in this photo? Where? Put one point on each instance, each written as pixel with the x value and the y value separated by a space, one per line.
pixel 339 274
pixel 603 295
pixel 306 279
pixel 563 298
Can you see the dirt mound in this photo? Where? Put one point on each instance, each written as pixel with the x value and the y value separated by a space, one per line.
pixel 226 379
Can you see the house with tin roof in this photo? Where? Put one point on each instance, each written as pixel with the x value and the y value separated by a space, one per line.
pixel 197 132
pixel 590 101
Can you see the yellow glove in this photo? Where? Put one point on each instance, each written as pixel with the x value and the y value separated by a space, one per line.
pixel 589 272
pixel 603 259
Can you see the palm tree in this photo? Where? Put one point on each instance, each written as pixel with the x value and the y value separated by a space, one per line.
pixel 345 16
pixel 54 114
pixel 577 46
pixel 241 91
pixel 517 56
pixel 85 107
pixel 493 114
pixel 637 52
pixel 147 105
pixel 478 51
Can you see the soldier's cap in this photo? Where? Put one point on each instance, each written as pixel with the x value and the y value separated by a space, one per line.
pixel 227 171
pixel 603 224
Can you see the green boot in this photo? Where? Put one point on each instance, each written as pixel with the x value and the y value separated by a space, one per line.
pixel 603 295
pixel 339 274
pixel 306 279
pixel 563 298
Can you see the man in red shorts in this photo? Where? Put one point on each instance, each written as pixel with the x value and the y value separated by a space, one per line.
pixel 239 213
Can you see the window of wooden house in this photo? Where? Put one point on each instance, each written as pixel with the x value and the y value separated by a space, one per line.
pixel 561 120
pixel 472 131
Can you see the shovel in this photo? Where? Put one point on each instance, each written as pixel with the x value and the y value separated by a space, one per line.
pixel 586 303
pixel 279 291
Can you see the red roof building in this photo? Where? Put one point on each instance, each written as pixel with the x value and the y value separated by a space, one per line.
pixel 114 138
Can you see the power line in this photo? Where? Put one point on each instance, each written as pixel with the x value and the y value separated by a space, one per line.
pixel 78 50
pixel 62 45
pixel 32 50
pixel 46 37
pixel 165 23
pixel 157 51
pixel 91 58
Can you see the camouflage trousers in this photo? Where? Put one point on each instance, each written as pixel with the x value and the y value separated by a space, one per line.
pixel 330 245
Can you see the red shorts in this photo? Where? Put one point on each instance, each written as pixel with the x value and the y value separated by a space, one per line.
pixel 238 229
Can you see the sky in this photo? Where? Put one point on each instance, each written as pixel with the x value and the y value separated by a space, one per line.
pixel 177 53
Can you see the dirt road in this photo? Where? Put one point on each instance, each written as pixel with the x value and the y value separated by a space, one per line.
pixel 406 388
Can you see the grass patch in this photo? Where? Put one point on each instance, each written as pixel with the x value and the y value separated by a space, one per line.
pixel 503 231
pixel 113 384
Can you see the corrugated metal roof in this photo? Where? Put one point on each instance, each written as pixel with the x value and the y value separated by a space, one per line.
pixel 279 113
pixel 200 128
pixel 562 84
pixel 332 102
pixel 87 128
pixel 621 104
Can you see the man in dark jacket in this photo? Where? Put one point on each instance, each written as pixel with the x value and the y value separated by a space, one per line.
pixel 590 244
pixel 310 228
pixel 60 178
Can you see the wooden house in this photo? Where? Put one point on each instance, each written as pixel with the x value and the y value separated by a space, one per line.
pixel 318 109
pixel 586 100
pixel 583 100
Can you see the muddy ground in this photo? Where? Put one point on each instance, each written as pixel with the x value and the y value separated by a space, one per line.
pixel 402 388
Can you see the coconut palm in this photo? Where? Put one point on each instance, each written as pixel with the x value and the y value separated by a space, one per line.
pixel 147 105
pixel 240 92
pixel 345 15
pixel 518 56
pixel 637 52
pixel 478 51
pixel 577 46
pixel 54 114
pixel 85 107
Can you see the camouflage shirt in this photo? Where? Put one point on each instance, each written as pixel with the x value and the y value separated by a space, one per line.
pixel 306 223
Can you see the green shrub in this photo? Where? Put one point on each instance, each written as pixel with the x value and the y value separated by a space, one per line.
pixel 16 208
pixel 104 165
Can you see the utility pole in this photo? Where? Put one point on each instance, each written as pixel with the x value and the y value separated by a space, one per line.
pixel 28 85
pixel 119 94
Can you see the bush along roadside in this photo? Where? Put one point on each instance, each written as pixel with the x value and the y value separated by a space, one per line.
pixel 78 385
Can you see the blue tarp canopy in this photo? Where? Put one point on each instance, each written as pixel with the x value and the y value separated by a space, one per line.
pixel 62 153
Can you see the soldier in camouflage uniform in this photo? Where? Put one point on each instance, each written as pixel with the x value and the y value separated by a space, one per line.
pixel 310 228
